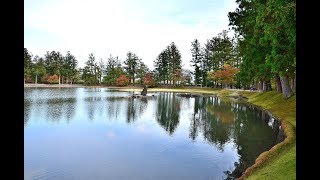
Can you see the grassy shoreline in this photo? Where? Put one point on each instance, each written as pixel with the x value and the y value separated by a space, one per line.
pixel 277 163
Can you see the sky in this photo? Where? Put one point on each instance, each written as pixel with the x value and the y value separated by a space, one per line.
pixel 104 27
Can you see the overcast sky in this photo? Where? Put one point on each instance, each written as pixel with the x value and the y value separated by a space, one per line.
pixel 105 27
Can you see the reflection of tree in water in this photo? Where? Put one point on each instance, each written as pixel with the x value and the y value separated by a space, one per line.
pixel 92 105
pixel 197 116
pixel 113 107
pixel 217 125
pixel 222 121
pixel 26 112
pixel 252 136
pixel 135 107
pixel 168 110
pixel 70 108
pixel 131 111
pixel 58 107
pixel 54 109
pixel 142 105
pixel 208 118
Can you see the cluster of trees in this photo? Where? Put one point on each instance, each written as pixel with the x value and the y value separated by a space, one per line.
pixel 58 69
pixel 113 72
pixel 168 68
pixel 262 52
pixel 52 68
pixel 267 43
pixel 217 53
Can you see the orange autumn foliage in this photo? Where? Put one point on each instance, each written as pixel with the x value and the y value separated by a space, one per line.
pixel 226 75
pixel 122 80
pixel 54 79
pixel 148 80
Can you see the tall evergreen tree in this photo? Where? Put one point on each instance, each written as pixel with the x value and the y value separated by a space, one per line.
pixel 161 67
pixel 70 67
pixel 131 65
pixel 38 68
pixel 90 71
pixel 113 70
pixel 54 63
pixel 167 64
pixel 27 64
pixel 174 61
pixel 141 71
pixel 197 61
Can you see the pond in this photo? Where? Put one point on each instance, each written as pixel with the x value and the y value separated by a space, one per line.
pixel 97 133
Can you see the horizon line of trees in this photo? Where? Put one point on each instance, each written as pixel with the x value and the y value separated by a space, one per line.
pixel 262 54
pixel 59 69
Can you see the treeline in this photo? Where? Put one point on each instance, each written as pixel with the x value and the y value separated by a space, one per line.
pixel 216 63
pixel 52 68
pixel 266 30
pixel 57 68
pixel 261 55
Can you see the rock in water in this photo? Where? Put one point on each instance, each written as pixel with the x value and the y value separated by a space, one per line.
pixel 144 91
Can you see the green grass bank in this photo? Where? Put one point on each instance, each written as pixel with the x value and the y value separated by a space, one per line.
pixel 280 161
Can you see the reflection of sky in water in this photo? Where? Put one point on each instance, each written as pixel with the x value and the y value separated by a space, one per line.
pixel 92 133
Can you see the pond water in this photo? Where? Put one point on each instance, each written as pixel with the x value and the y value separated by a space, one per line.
pixel 97 133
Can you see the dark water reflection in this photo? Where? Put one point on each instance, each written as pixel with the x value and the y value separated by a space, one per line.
pixel 93 133
pixel 167 111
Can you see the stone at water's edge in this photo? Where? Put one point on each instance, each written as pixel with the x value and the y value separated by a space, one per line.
pixel 144 91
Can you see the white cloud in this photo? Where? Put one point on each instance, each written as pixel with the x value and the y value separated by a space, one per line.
pixel 116 27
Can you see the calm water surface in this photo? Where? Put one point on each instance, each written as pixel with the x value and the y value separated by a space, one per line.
pixel 96 133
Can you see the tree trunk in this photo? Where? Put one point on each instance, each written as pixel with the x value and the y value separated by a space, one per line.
pixel 286 90
pixel 59 79
pixel 36 79
pixel 278 83
pixel 269 88
pixel 260 85
pixel 256 85
pixel 293 84
pixel 264 86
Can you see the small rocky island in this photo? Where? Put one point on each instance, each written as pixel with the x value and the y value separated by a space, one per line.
pixel 143 93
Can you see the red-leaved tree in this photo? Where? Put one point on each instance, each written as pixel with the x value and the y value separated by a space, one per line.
pixel 148 80
pixel 123 80
pixel 54 79
pixel 226 75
